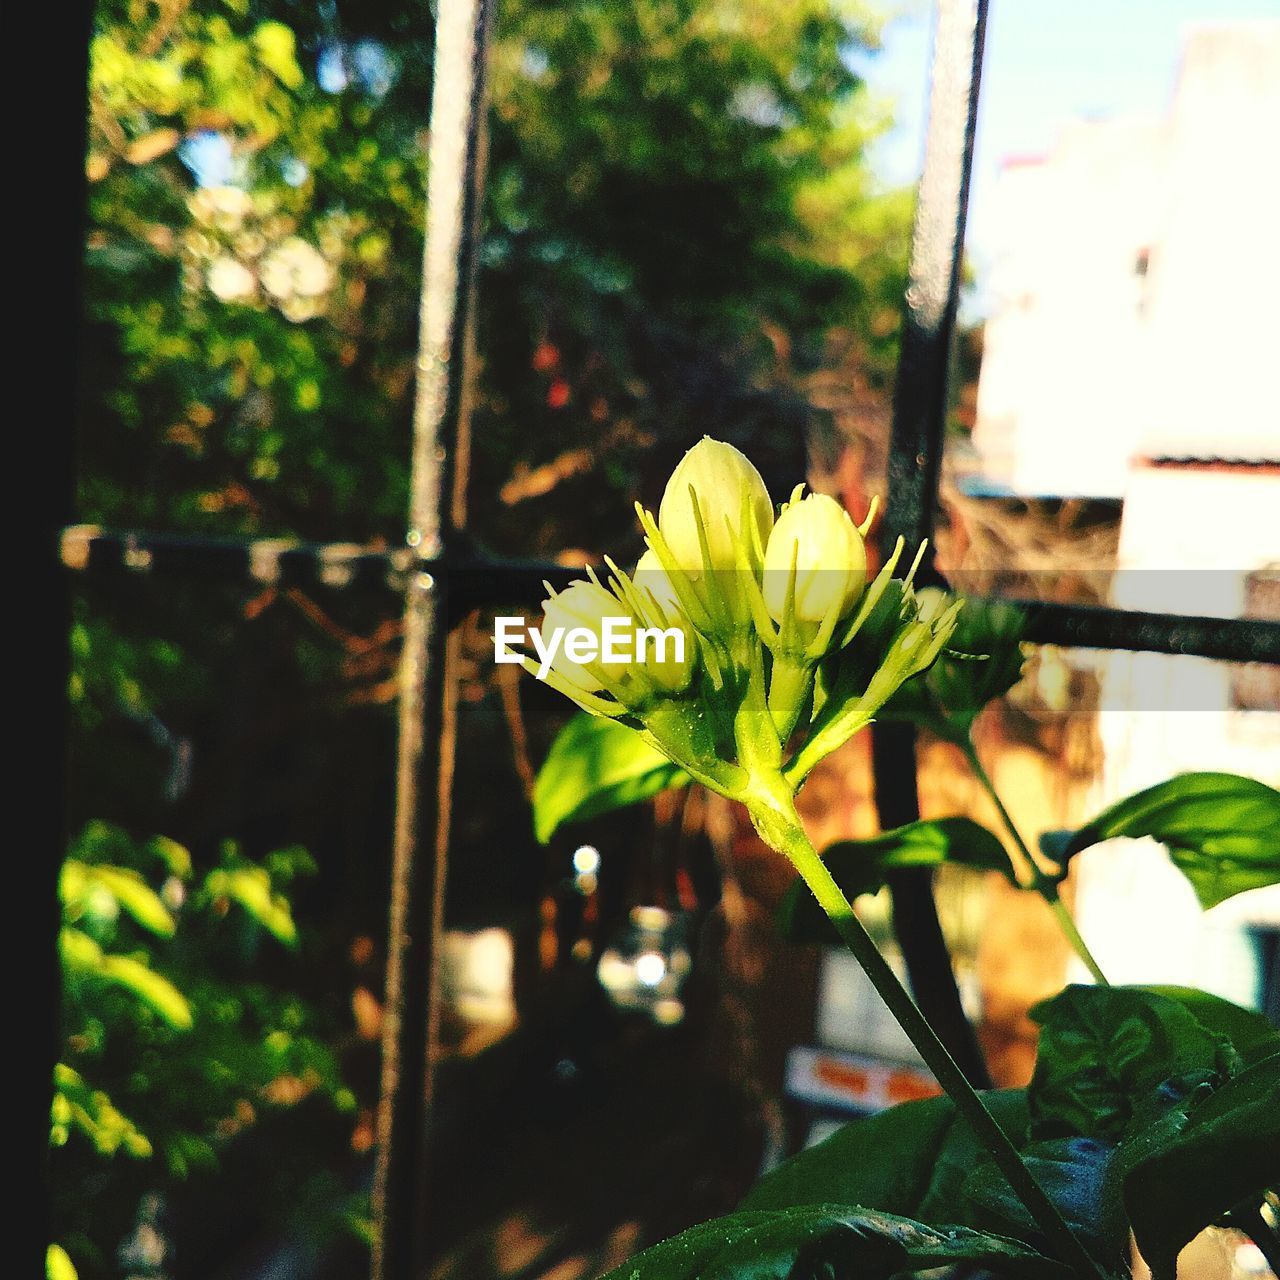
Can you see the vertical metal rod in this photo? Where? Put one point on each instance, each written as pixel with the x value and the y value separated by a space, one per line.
pixel 428 662
pixel 915 461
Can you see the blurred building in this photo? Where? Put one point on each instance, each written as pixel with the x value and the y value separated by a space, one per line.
pixel 1131 354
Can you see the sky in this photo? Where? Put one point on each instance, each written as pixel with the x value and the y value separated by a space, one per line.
pixel 1046 62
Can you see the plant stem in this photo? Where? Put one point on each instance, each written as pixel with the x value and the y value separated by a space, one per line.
pixel 779 825
pixel 1256 1227
pixel 1039 881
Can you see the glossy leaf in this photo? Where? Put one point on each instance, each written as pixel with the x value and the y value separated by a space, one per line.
pixel 862 866
pixel 1249 1032
pixel 594 766
pixel 910 1160
pixel 1074 1173
pixel 1228 1152
pixel 1103 1051
pixel 1222 830
pixel 825 1239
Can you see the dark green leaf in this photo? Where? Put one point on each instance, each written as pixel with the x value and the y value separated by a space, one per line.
pixel 1222 830
pixel 861 866
pixel 909 1160
pixel 1250 1034
pixel 1104 1051
pixel 1074 1174
pixel 825 1239
pixel 1227 1152
pixel 596 765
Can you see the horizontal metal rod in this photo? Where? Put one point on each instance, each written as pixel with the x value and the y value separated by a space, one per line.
pixel 478 581
pixel 1082 626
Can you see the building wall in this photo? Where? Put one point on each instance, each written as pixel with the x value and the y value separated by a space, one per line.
pixel 1134 296
pixel 1057 411
pixel 1211 330
pixel 1190 537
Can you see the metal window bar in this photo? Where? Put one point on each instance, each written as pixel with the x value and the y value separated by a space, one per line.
pixel 442 578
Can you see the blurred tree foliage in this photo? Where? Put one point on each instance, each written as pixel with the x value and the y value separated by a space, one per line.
pixel 680 227
pixel 174 1045
pixel 678 216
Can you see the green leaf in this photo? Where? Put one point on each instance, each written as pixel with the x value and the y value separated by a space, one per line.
pixel 276 47
pixel 88 1111
pixel 57 1265
pixel 250 885
pixel 1222 830
pixel 1103 1051
pixel 1249 1032
pixel 152 988
pixel 128 889
pixel 1227 1153
pixel 176 857
pixel 861 866
pixel 596 765
pixel 825 1239
pixel 1075 1174
pixel 910 1160
pixel 82 955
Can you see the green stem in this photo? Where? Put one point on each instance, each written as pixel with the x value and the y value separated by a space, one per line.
pixel 774 815
pixel 1041 883
pixel 790 687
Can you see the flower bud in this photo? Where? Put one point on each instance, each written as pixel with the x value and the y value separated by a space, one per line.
pixel 650 576
pixel 719 476
pixel 818 537
pixel 579 605
pixel 671 672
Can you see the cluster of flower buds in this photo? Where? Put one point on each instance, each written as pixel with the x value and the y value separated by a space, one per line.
pixel 745 644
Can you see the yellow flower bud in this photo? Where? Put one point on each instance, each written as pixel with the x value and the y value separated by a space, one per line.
pixel 817 535
pixel 719 475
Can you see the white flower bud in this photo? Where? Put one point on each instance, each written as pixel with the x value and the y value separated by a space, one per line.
pixel 817 535
pixel 720 476
pixel 579 605
pixel 650 576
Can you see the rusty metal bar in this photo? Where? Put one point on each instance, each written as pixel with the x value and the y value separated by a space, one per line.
pixel 915 459
pixel 478 581
pixel 428 663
